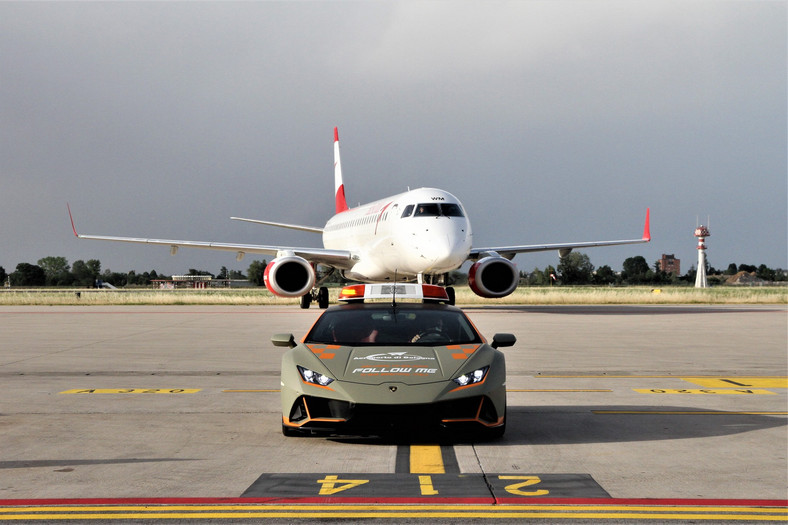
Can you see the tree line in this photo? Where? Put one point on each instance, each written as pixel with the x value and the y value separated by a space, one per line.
pixel 56 271
pixel 574 269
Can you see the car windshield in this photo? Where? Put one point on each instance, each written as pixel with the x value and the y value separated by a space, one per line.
pixel 384 325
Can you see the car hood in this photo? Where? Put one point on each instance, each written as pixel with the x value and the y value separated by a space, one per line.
pixel 379 364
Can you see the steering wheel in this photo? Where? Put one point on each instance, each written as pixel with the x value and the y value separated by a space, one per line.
pixel 432 335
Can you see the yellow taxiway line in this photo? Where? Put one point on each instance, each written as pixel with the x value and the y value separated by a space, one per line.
pixel 426 459
pixel 234 511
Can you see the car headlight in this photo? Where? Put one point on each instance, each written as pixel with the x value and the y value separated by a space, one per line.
pixel 477 376
pixel 315 378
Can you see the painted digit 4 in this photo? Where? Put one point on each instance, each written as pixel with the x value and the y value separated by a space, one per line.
pixel 332 485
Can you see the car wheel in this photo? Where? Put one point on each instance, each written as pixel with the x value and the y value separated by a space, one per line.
pixel 491 433
pixel 496 432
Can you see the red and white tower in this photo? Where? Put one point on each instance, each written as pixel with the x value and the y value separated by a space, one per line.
pixel 701 232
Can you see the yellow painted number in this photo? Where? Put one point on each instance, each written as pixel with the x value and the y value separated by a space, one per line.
pixel 528 481
pixel 425 483
pixel 332 485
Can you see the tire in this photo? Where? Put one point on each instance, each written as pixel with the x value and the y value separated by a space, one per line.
pixel 496 432
pixel 322 298
pixel 306 300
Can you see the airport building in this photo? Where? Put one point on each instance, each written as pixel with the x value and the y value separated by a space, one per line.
pixel 669 264
pixel 183 281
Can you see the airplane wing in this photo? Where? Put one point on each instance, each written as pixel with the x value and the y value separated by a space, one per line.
pixel 337 258
pixel 311 229
pixel 563 248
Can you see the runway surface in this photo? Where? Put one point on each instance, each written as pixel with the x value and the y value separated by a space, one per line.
pixel 615 412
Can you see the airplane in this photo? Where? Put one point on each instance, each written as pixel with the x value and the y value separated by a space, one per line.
pixel 420 235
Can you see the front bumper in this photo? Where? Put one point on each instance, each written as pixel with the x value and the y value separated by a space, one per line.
pixel 309 414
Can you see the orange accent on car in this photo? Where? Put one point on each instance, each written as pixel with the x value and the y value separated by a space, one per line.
pixel 477 418
pixel 309 418
pixel 466 350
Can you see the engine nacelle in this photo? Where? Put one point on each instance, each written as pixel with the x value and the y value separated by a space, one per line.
pixel 289 276
pixel 493 277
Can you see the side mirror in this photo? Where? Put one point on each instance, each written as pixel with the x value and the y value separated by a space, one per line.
pixel 503 340
pixel 283 340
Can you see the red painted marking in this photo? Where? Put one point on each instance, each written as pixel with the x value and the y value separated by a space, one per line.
pixel 379 216
pixel 72 220
pixel 309 500
pixel 150 312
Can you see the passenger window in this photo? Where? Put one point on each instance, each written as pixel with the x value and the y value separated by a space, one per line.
pixel 408 211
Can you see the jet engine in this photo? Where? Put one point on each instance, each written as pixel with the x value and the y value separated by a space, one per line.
pixel 289 276
pixel 493 277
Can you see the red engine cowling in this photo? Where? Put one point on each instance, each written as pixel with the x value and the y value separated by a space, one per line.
pixel 493 277
pixel 289 276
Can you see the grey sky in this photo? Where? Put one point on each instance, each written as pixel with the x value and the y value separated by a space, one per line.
pixel 551 121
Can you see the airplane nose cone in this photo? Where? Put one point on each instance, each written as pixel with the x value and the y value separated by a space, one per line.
pixel 437 249
pixel 434 245
pixel 446 250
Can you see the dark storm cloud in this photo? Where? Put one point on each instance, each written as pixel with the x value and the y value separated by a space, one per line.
pixel 551 121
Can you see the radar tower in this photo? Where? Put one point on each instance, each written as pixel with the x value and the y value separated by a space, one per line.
pixel 701 232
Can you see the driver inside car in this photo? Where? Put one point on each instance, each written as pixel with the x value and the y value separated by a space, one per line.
pixel 432 330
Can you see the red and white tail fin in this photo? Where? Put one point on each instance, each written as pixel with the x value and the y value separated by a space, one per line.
pixel 339 187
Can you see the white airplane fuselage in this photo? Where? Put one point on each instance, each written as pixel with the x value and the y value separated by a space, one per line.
pixel 419 232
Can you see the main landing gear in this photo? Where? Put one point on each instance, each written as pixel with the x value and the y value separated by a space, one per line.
pixel 320 295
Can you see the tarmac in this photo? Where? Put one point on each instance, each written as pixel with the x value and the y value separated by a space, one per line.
pixel 682 407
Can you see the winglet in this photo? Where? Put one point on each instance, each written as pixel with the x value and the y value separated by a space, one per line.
pixel 339 187
pixel 72 220
pixel 647 227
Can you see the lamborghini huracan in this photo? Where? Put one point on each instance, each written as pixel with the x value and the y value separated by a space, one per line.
pixel 394 366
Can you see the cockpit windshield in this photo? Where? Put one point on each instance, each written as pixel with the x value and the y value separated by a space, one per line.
pixel 451 210
pixel 432 209
pixel 427 210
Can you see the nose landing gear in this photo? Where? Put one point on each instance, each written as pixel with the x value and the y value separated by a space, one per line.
pixel 443 279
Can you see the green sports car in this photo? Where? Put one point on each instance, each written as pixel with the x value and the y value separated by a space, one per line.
pixel 393 367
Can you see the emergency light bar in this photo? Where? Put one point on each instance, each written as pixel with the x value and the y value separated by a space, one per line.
pixel 425 292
